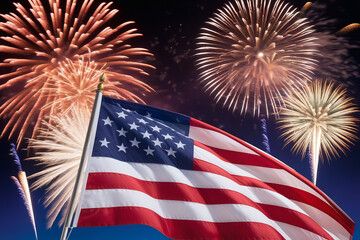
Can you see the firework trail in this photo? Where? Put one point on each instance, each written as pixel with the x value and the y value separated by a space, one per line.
pixel 319 119
pixel 58 149
pixel 41 36
pixel 309 159
pixel 264 135
pixel 335 60
pixel 252 52
pixel 22 185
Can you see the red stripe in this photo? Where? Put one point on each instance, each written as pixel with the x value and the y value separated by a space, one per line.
pixel 344 217
pixel 183 192
pixel 176 229
pixel 239 157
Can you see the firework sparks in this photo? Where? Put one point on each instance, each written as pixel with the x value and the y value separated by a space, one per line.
pixel 319 119
pixel 42 36
pixel 77 81
pixel 58 149
pixel 252 52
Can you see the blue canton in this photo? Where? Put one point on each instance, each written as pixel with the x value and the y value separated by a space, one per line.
pixel 133 132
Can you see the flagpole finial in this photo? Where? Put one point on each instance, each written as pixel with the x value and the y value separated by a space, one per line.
pixel 102 80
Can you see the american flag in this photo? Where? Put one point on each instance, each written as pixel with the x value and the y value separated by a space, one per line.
pixel 191 180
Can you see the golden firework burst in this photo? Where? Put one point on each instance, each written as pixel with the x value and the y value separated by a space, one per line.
pixel 319 119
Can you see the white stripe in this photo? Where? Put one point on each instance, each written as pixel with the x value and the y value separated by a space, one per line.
pixel 169 209
pixel 215 139
pixel 166 173
pixel 264 174
pixel 278 176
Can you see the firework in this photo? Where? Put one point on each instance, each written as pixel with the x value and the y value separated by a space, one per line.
pixel 58 149
pixel 251 52
pixel 21 183
pixel 264 135
pixel 40 38
pixel 348 29
pixel 319 119
pixel 76 81
pixel 335 60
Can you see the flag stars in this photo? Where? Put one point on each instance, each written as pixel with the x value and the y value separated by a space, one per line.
pixel 148 115
pixel 168 136
pixel 142 121
pixel 107 121
pixel 121 114
pixel 121 148
pixel 135 143
pixel 133 126
pixel 122 132
pixel 170 152
pixel 149 151
pixel 104 143
pixel 156 129
pixel 157 142
pixel 146 134
pixel 180 145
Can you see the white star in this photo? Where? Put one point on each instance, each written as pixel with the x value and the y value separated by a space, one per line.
pixel 126 110
pixel 156 129
pixel 122 132
pixel 146 134
pixel 142 121
pixel 170 152
pixel 167 136
pixel 133 126
pixel 148 115
pixel 157 142
pixel 149 151
pixel 135 143
pixel 107 121
pixel 180 145
pixel 121 114
pixel 104 142
pixel 122 148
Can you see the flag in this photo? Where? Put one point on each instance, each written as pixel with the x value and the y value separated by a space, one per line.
pixel 191 180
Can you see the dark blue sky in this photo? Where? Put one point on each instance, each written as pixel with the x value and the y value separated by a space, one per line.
pixel 169 29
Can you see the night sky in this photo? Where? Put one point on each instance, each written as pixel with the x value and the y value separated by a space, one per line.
pixel 170 28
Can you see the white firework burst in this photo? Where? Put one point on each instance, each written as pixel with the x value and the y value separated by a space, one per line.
pixel 252 52
pixel 58 150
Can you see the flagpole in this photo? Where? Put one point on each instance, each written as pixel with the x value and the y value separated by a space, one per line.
pixel 82 165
